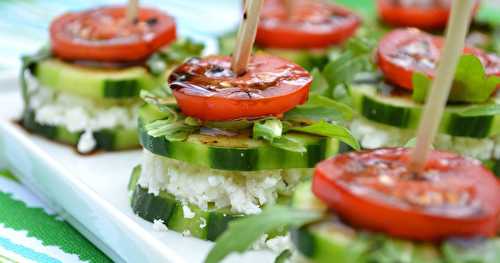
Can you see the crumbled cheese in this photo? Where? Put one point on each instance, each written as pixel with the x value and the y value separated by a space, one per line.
pixel 372 135
pixel 276 244
pixel 242 192
pixel 203 223
pixel 187 212
pixel 186 233
pixel 87 142
pixel 159 225
pixel 78 114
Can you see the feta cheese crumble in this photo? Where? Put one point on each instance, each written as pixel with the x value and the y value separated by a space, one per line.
pixel 159 225
pixel 80 114
pixel 186 211
pixel 372 135
pixel 242 192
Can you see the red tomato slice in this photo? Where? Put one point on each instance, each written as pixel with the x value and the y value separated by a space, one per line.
pixel 420 14
pixel 404 51
pixel 207 88
pixel 104 34
pixel 311 24
pixel 454 196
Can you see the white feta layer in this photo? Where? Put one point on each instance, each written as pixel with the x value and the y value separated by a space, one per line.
pixel 80 114
pixel 242 192
pixel 372 135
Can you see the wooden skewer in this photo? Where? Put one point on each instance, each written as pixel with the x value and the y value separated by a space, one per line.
pixel 132 10
pixel 246 36
pixel 458 26
pixel 289 7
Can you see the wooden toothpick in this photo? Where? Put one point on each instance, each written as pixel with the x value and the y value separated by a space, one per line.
pixel 132 10
pixel 458 26
pixel 246 36
pixel 289 7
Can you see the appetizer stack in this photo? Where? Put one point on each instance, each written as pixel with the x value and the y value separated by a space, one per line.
pixel 83 90
pixel 301 31
pixel 390 106
pixel 224 147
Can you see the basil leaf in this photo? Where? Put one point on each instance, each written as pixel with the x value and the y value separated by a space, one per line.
pixel 481 110
pixel 471 84
pixel 243 233
pixel 28 62
pixel 268 129
pixel 287 143
pixel 330 130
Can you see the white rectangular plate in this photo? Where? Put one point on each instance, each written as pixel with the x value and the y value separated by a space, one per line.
pixel 91 193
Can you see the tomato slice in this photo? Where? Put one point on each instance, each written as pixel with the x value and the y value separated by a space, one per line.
pixel 421 14
pixel 454 196
pixel 104 34
pixel 207 88
pixel 403 51
pixel 311 24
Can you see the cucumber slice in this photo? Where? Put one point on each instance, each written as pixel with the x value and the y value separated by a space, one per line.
pixel 402 112
pixel 93 82
pixel 207 225
pixel 107 139
pixel 240 153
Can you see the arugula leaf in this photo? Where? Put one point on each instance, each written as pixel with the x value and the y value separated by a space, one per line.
pixel 357 58
pixel 271 130
pixel 283 256
pixel 242 233
pixel 160 98
pixel 287 143
pixel 470 84
pixel 481 110
pixel 171 130
pixel 176 53
pixel 320 108
pixel 330 130
pixel 319 85
pixel 268 129
pixel 28 62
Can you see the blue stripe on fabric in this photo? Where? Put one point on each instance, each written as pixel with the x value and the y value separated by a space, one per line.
pixel 27 252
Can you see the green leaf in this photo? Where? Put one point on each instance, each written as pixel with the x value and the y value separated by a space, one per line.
pixel 319 85
pixel 471 84
pixel 283 256
pixel 171 130
pixel 320 108
pixel 175 53
pixel 243 233
pixel 481 110
pixel 356 58
pixel 421 84
pixel 160 98
pixel 268 129
pixel 330 130
pixel 287 143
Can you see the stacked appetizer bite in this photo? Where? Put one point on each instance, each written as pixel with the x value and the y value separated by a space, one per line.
pixel 83 90
pixel 390 106
pixel 302 31
pixel 226 149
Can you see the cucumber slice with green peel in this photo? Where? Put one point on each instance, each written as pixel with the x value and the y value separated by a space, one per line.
pixel 402 112
pixel 202 224
pixel 239 153
pixel 95 83
pixel 494 166
pixel 106 139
